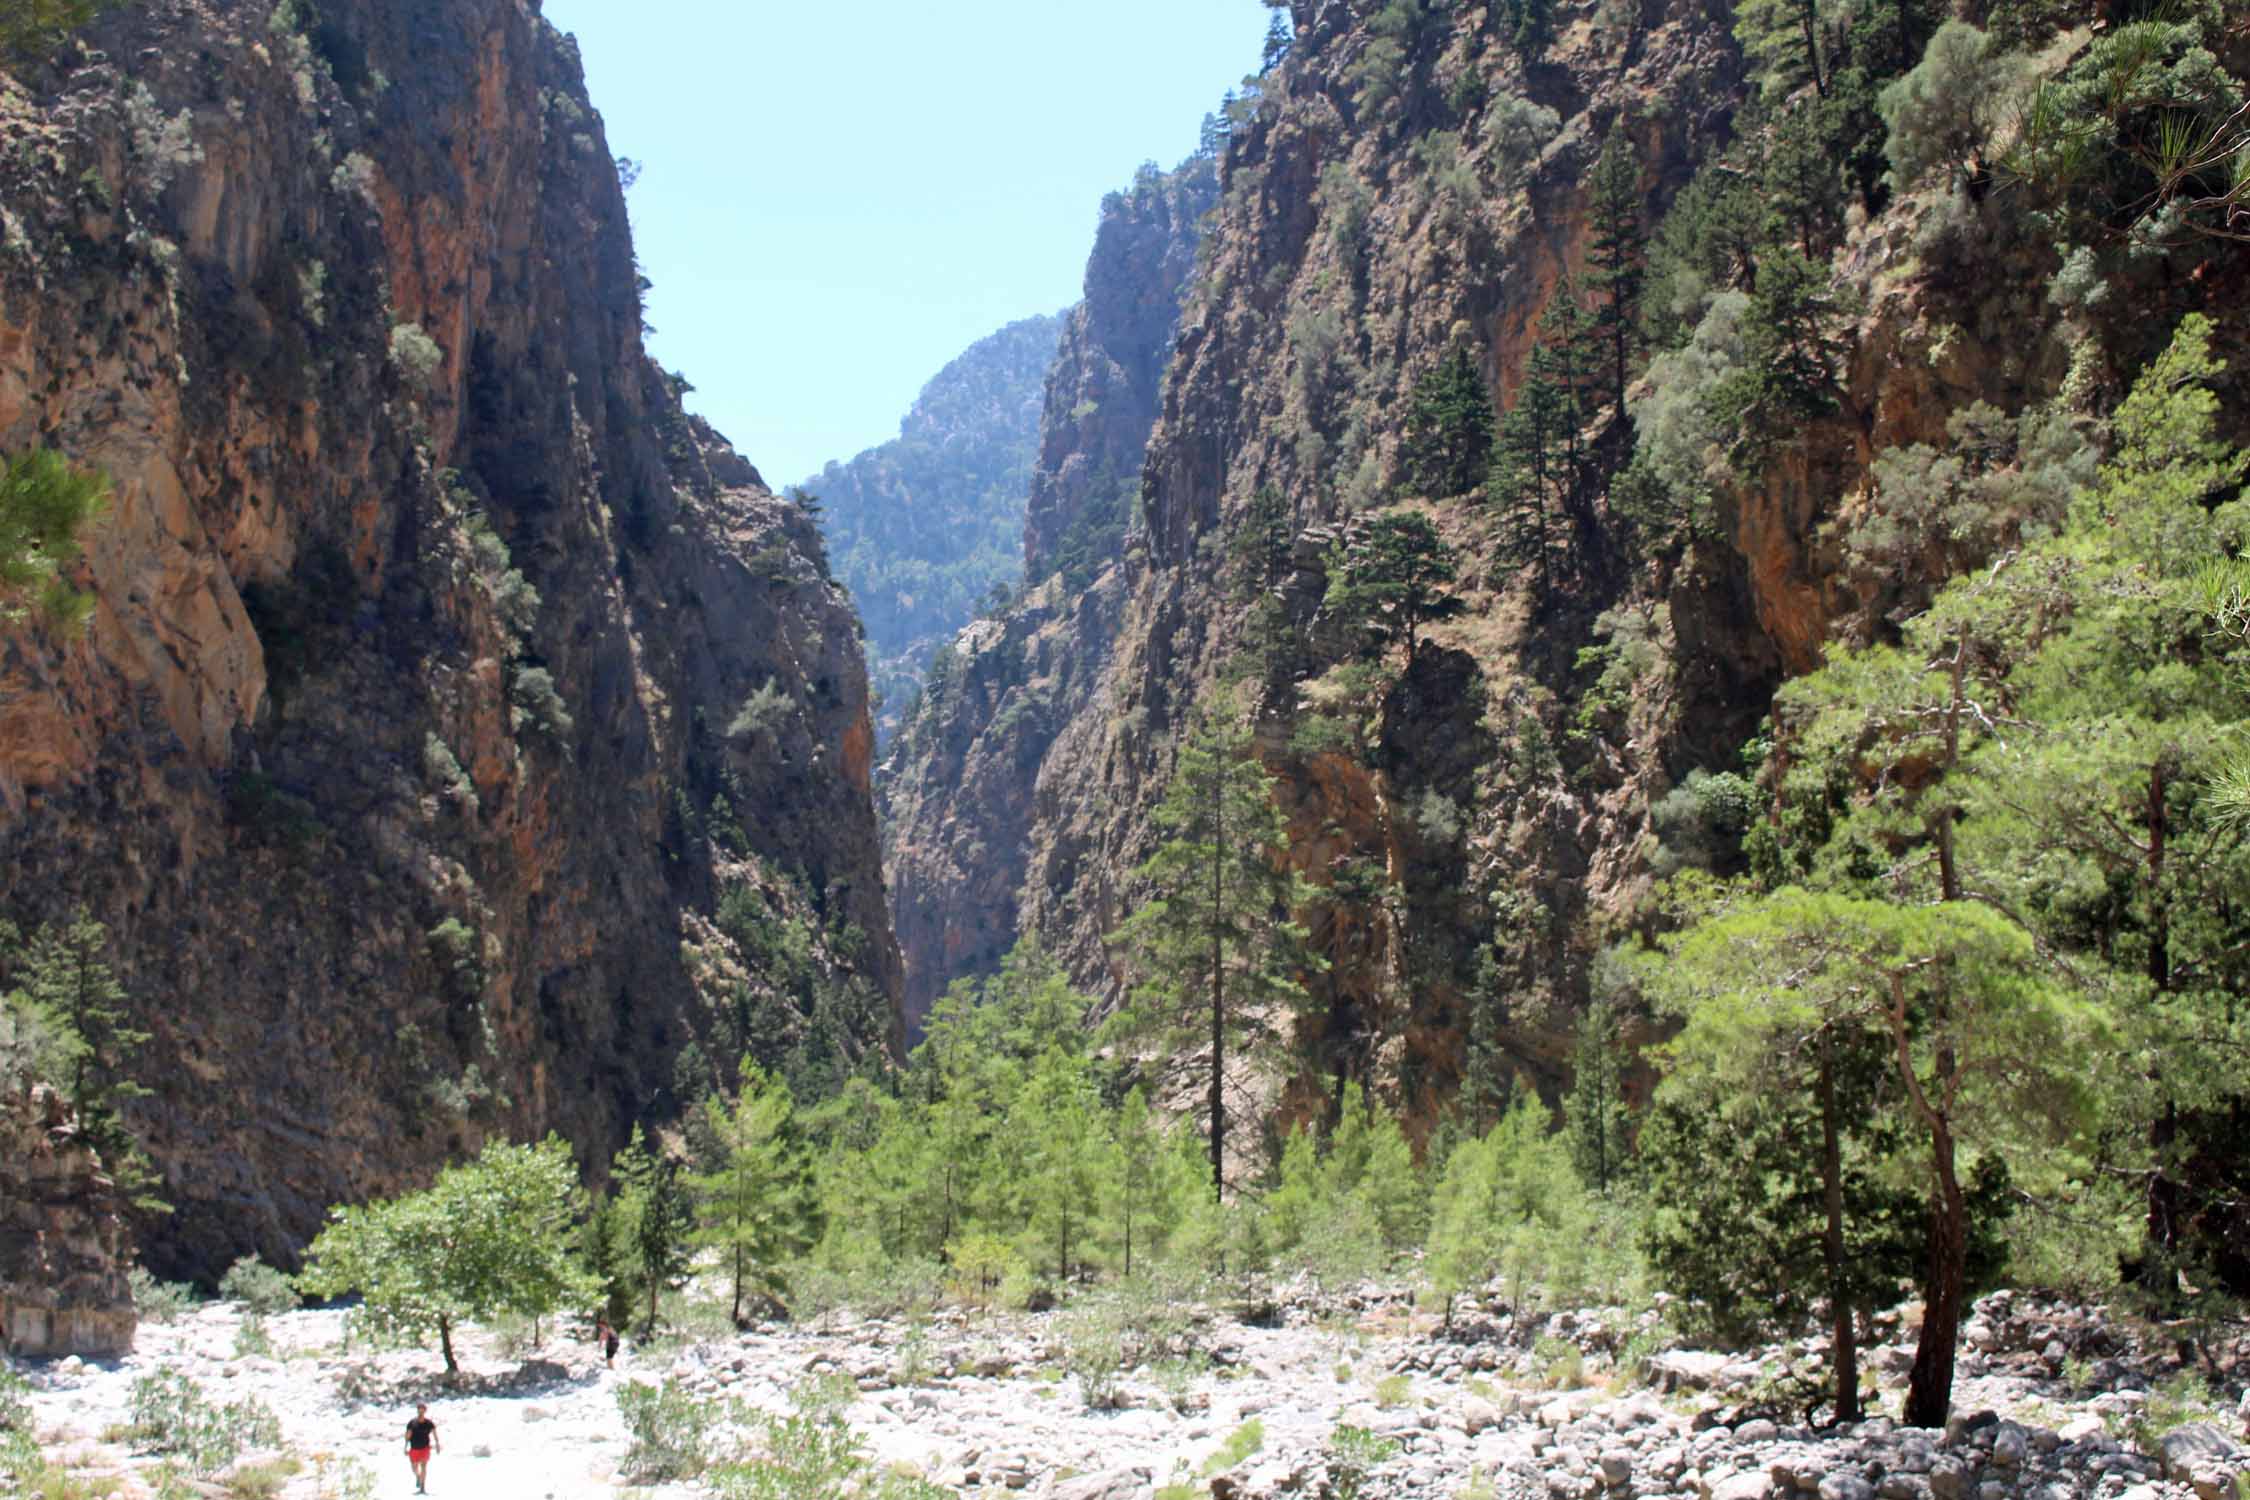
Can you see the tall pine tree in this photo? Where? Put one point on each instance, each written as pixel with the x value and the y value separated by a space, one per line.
pixel 1217 948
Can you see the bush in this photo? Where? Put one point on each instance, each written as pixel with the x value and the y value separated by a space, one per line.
pixel 262 1481
pixel 1517 130
pixel 44 503
pixel 258 1286
pixel 31 29
pixel 1353 1454
pixel 538 704
pixel 1944 113
pixel 416 354
pixel 1094 1356
pixel 15 1411
pixel 445 773
pixel 252 1339
pixel 1701 821
pixel 159 1301
pixel 763 712
pixel 168 1413
pixel 1240 1444
pixel 810 1453
pixel 671 1430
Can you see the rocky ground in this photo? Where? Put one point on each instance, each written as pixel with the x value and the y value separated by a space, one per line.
pixel 2052 1402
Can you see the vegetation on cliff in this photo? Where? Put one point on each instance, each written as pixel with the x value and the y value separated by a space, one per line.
pixel 927 529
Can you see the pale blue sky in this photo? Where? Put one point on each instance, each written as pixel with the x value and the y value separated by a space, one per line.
pixel 836 199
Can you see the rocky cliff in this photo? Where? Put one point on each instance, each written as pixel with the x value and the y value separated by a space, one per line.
pixel 958 788
pixel 63 1244
pixel 926 526
pixel 408 748
pixel 1483 814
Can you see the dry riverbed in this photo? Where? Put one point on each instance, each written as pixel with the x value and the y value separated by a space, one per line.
pixel 2052 1403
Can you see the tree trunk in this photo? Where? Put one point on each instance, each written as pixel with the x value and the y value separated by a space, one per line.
pixel 1929 1390
pixel 737 1315
pixel 1805 18
pixel 1218 991
pixel 445 1342
pixel 1846 1352
pixel 2159 1272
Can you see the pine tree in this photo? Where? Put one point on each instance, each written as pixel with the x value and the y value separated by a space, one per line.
pixel 45 504
pixel 1615 243
pixel 1278 40
pixel 1594 1110
pixel 758 1203
pixel 659 1214
pixel 1448 441
pixel 1983 1045
pixel 33 28
pixel 1390 577
pixel 604 1255
pixel 64 973
pixel 1056 1120
pixel 1218 951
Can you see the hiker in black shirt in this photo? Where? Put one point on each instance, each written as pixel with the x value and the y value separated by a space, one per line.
pixel 606 1336
pixel 421 1442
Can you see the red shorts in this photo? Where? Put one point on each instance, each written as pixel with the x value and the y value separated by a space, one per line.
pixel 417 1455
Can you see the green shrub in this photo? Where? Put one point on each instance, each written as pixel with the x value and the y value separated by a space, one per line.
pixel 416 354
pixel 1240 1444
pixel 44 504
pixel 159 1301
pixel 168 1413
pixel 671 1430
pixel 258 1286
pixel 15 1410
pixel 252 1339
pixel 1393 1390
pixel 262 1481
pixel 763 712
pixel 1945 112
pixel 31 29
pixel 1094 1356
pixel 1517 130
pixel 445 774
pixel 1353 1454
pixel 810 1453
pixel 1562 1366
pixel 538 705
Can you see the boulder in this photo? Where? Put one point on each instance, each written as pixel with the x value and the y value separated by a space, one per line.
pixel 1111 1484
pixel 2198 1445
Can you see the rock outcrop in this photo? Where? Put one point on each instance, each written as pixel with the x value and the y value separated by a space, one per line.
pixel 1483 814
pixel 63 1241
pixel 959 788
pixel 403 755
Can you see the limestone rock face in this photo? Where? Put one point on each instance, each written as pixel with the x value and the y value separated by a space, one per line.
pixel 63 1241
pixel 960 788
pixel 1485 817
pixel 397 755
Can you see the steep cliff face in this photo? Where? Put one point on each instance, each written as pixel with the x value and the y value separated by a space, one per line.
pixel 63 1245
pixel 958 788
pixel 1403 187
pixel 926 525
pixel 1484 812
pixel 392 756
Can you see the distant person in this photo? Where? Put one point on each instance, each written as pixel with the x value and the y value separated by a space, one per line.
pixel 421 1442
pixel 606 1336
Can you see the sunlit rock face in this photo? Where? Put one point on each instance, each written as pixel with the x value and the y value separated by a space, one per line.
pixel 390 754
